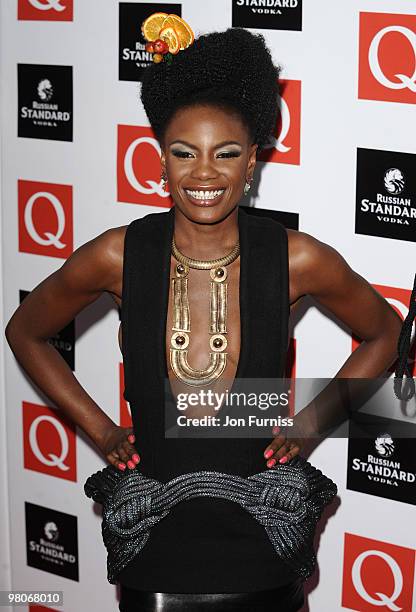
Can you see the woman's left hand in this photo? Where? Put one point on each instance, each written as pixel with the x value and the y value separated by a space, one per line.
pixel 281 449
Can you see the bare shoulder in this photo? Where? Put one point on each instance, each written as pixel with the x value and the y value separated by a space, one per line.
pixel 314 266
pixel 93 268
pixel 110 252
pixel 98 262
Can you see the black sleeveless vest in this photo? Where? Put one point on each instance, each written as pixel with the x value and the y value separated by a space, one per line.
pixel 205 544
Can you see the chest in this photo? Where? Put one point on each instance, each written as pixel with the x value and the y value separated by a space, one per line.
pixel 202 305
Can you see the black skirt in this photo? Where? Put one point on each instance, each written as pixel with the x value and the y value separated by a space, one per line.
pixel 285 598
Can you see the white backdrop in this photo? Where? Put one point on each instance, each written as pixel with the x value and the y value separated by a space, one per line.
pixel 321 189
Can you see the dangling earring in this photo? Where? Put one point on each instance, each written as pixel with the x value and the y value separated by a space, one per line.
pixel 163 179
pixel 247 186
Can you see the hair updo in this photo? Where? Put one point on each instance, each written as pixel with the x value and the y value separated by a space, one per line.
pixel 232 70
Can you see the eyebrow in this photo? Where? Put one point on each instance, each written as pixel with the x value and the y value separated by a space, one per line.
pixel 220 144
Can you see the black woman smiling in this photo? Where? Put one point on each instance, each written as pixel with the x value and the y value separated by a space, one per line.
pixel 205 291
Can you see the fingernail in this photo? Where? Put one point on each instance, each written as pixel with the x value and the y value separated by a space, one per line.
pixel 121 466
pixel 136 458
pixel 275 429
pixel 271 462
pixel 130 438
pixel 283 459
pixel 131 464
pixel 269 453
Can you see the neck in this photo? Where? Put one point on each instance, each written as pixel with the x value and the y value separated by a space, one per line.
pixel 205 240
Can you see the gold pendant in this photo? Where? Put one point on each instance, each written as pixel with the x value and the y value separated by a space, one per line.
pixel 182 322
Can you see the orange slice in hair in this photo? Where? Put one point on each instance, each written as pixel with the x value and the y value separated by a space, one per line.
pixel 185 33
pixel 152 26
pixel 171 37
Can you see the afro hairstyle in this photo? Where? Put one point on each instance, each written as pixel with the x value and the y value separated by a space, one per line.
pixel 232 70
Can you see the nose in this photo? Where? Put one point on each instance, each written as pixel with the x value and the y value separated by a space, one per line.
pixel 204 169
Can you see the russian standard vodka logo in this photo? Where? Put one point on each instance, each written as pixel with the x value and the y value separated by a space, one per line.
pixel 267 6
pixel 384 445
pixel 51 531
pixel 45 101
pixel 405 81
pixel 394 181
pixel 386 194
pixel 47 5
pixel 45 90
pixel 382 598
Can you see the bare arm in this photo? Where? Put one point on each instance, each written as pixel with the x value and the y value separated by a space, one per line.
pixel 92 269
pixel 321 272
pixel 318 270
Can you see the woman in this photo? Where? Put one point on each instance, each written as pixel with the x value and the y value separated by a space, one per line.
pixel 212 107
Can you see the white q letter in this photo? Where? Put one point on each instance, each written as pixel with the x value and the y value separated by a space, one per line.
pixel 285 115
pixel 52 239
pixel 154 187
pixel 51 4
pixel 54 460
pixel 384 600
pixel 405 81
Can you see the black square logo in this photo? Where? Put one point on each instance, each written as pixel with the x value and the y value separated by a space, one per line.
pixel 381 457
pixel 45 102
pixel 52 541
pixel 133 57
pixel 63 341
pixel 386 194
pixel 267 14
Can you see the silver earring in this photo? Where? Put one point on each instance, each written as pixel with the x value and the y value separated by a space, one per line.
pixel 247 187
pixel 163 179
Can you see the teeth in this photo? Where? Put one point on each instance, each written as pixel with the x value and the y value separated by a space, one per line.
pixel 204 195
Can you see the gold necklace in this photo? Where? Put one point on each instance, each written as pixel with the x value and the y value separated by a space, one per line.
pixel 182 320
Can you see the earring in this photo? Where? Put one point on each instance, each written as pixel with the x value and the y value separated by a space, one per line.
pixel 247 186
pixel 163 179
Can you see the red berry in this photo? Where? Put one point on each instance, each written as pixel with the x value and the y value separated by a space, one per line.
pixel 149 46
pixel 160 46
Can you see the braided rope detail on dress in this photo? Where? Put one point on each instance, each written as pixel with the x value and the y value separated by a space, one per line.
pixel 287 500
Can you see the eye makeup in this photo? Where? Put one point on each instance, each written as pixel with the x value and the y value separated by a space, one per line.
pixel 224 154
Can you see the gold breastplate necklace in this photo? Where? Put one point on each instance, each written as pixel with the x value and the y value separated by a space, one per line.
pixel 181 328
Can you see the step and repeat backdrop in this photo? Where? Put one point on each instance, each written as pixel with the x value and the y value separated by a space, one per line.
pixel 79 157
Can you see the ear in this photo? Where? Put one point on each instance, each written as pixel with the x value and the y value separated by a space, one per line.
pixel 163 160
pixel 252 160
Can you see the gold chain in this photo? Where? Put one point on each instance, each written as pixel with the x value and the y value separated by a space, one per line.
pixel 200 264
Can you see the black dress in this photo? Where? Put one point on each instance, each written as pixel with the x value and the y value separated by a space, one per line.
pixel 205 545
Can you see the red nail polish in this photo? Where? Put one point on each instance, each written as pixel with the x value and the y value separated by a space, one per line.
pixel 131 464
pixel 121 466
pixel 275 430
pixel 271 462
pixel 283 459
pixel 136 458
pixel 269 453
pixel 130 438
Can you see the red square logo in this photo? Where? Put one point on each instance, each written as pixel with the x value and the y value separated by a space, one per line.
pixel 139 168
pixel 285 147
pixel 48 442
pixel 45 10
pixel 387 57
pixel 377 575
pixel 45 218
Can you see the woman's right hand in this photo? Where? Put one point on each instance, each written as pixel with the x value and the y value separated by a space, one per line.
pixel 118 448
